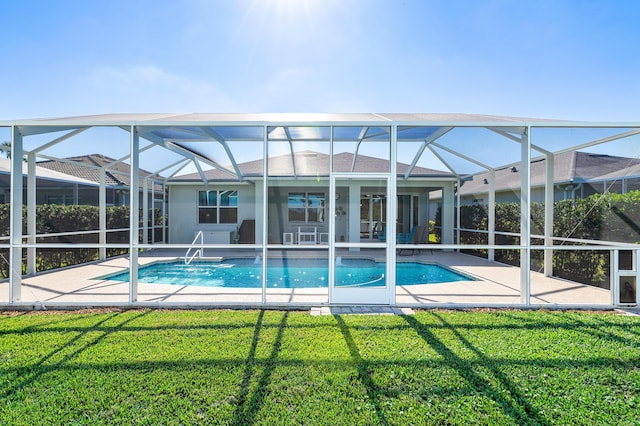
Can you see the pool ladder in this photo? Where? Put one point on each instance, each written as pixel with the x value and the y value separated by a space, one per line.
pixel 199 251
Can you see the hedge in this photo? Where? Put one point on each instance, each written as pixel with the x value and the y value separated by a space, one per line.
pixel 53 218
pixel 607 217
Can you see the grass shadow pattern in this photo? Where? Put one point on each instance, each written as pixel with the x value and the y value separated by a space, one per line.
pixel 272 367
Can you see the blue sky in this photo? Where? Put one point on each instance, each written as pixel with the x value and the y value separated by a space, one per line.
pixel 566 59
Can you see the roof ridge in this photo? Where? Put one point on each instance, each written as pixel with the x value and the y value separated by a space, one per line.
pixel 573 165
pixel 112 176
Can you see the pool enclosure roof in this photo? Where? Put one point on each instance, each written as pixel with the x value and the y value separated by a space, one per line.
pixel 184 134
pixel 300 119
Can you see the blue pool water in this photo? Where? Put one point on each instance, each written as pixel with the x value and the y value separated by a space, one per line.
pixel 288 273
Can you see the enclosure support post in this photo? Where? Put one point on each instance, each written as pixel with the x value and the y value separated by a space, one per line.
pixel 636 255
pixel 392 212
pixel 491 213
pixel 525 218
pixel 265 211
pixel 31 213
pixel 15 256
pixel 134 214
pixel 332 222
pixel 548 215
pixel 614 277
pixel 102 208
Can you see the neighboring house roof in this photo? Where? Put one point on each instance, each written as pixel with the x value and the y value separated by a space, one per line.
pixel 569 167
pixel 76 167
pixel 310 163
pixel 44 173
pixel 632 172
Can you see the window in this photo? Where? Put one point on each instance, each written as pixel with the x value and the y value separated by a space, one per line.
pixel 218 206
pixel 306 207
pixel 64 199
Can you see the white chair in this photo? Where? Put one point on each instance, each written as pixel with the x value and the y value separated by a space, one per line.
pixel 287 238
pixel 307 236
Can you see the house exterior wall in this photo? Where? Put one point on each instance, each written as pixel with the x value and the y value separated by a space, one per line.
pixel 278 214
pixel 561 191
pixel 537 196
pixel 183 211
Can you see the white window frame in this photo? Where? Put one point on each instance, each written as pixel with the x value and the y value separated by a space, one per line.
pixel 217 207
pixel 308 207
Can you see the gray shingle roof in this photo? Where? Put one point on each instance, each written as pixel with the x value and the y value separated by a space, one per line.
pixel 43 173
pixel 569 167
pixel 78 169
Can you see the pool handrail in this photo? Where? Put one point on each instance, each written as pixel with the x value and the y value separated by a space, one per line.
pixel 199 252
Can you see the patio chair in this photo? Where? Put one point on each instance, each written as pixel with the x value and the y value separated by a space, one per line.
pixel 307 236
pixel 406 238
pixel 423 237
pixel 381 232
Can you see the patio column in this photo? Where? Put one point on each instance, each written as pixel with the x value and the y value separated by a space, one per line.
pixel 525 218
pixel 31 213
pixel 548 215
pixel 353 229
pixel 424 202
pixel 15 256
pixel 102 208
pixel 152 212
pixel 447 213
pixel 164 212
pixel 145 211
pixel 260 205
pixel 491 213
pixel 134 215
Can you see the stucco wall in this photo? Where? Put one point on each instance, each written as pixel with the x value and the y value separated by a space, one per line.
pixel 183 211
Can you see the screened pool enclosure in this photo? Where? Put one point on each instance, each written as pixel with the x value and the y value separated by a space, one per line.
pixel 521 211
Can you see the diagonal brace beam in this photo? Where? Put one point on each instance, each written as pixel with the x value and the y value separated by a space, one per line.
pixel 432 138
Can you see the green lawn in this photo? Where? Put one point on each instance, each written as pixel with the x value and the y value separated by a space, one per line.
pixel 272 367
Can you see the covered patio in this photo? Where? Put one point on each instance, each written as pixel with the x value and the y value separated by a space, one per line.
pixel 314 186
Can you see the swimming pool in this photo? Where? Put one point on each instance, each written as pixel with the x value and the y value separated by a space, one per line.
pixel 288 273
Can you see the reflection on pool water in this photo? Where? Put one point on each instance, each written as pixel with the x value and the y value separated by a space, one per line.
pixel 289 273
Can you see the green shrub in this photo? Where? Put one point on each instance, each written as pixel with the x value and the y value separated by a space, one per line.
pixel 606 217
pixel 54 219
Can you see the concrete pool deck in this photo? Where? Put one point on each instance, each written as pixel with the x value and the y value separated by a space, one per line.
pixel 496 284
